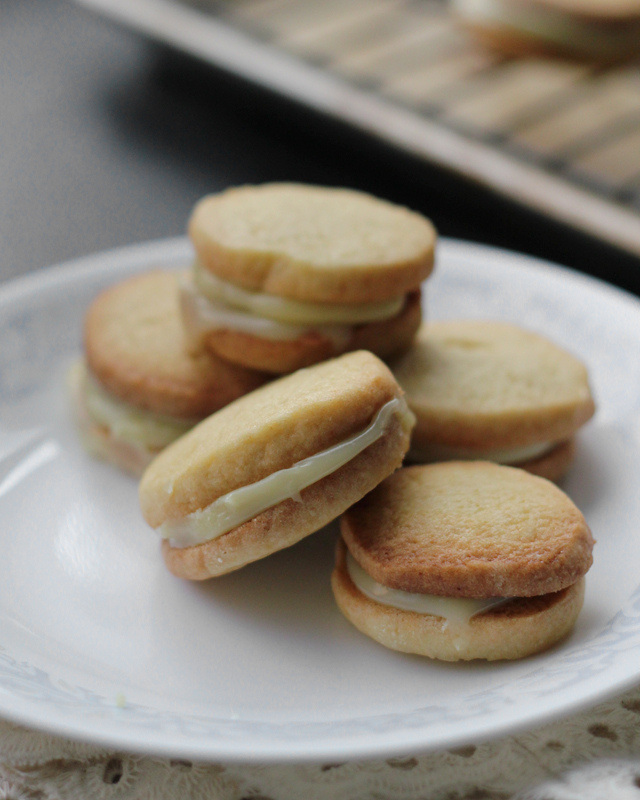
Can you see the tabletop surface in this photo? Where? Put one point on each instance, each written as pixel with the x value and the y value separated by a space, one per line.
pixel 107 139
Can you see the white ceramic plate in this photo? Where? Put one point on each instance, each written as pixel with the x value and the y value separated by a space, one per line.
pixel 260 665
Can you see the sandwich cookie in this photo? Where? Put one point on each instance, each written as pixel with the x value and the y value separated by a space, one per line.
pixel 275 465
pixel 138 388
pixel 495 392
pixel 463 561
pixel 606 30
pixel 287 275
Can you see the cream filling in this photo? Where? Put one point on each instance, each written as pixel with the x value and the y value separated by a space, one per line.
pixel 97 439
pixel 427 454
pixel 202 315
pixel 127 423
pixel 580 34
pixel 240 505
pixel 287 310
pixel 454 609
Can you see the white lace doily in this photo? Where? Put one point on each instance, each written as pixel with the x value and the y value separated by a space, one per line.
pixel 593 755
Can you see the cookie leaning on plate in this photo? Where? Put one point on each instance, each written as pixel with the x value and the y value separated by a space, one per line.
pixel 496 392
pixel 275 465
pixel 287 275
pixel 463 561
pixel 605 30
pixel 139 388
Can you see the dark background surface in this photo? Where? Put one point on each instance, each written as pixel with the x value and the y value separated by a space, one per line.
pixel 107 139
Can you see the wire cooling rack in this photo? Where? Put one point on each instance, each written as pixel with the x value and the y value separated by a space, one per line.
pixel 558 136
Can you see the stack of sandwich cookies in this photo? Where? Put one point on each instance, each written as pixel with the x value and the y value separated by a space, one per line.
pixel 493 391
pixel 139 388
pixel 288 275
pixel 461 561
pixel 276 465
pixel 605 30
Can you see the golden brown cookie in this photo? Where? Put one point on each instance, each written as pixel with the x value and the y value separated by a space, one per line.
pixel 275 465
pixel 514 630
pixel 288 274
pixel 493 391
pixel 141 388
pixel 468 534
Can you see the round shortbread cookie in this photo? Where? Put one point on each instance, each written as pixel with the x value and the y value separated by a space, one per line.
pixel 311 243
pixel 477 387
pixel 469 529
pixel 273 429
pixel 290 521
pixel 516 629
pixel 136 348
pixel 385 339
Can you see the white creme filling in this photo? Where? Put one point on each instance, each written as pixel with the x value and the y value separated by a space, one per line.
pixel 241 505
pixel 202 316
pixel 287 310
pixel 516 455
pixel 459 610
pixel 210 304
pixel 127 423
pixel 554 25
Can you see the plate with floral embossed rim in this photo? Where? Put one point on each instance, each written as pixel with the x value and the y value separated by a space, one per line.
pixel 98 642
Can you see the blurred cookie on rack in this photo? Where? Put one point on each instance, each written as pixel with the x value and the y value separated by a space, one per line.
pixel 287 275
pixel 138 388
pixel 494 391
pixel 602 30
